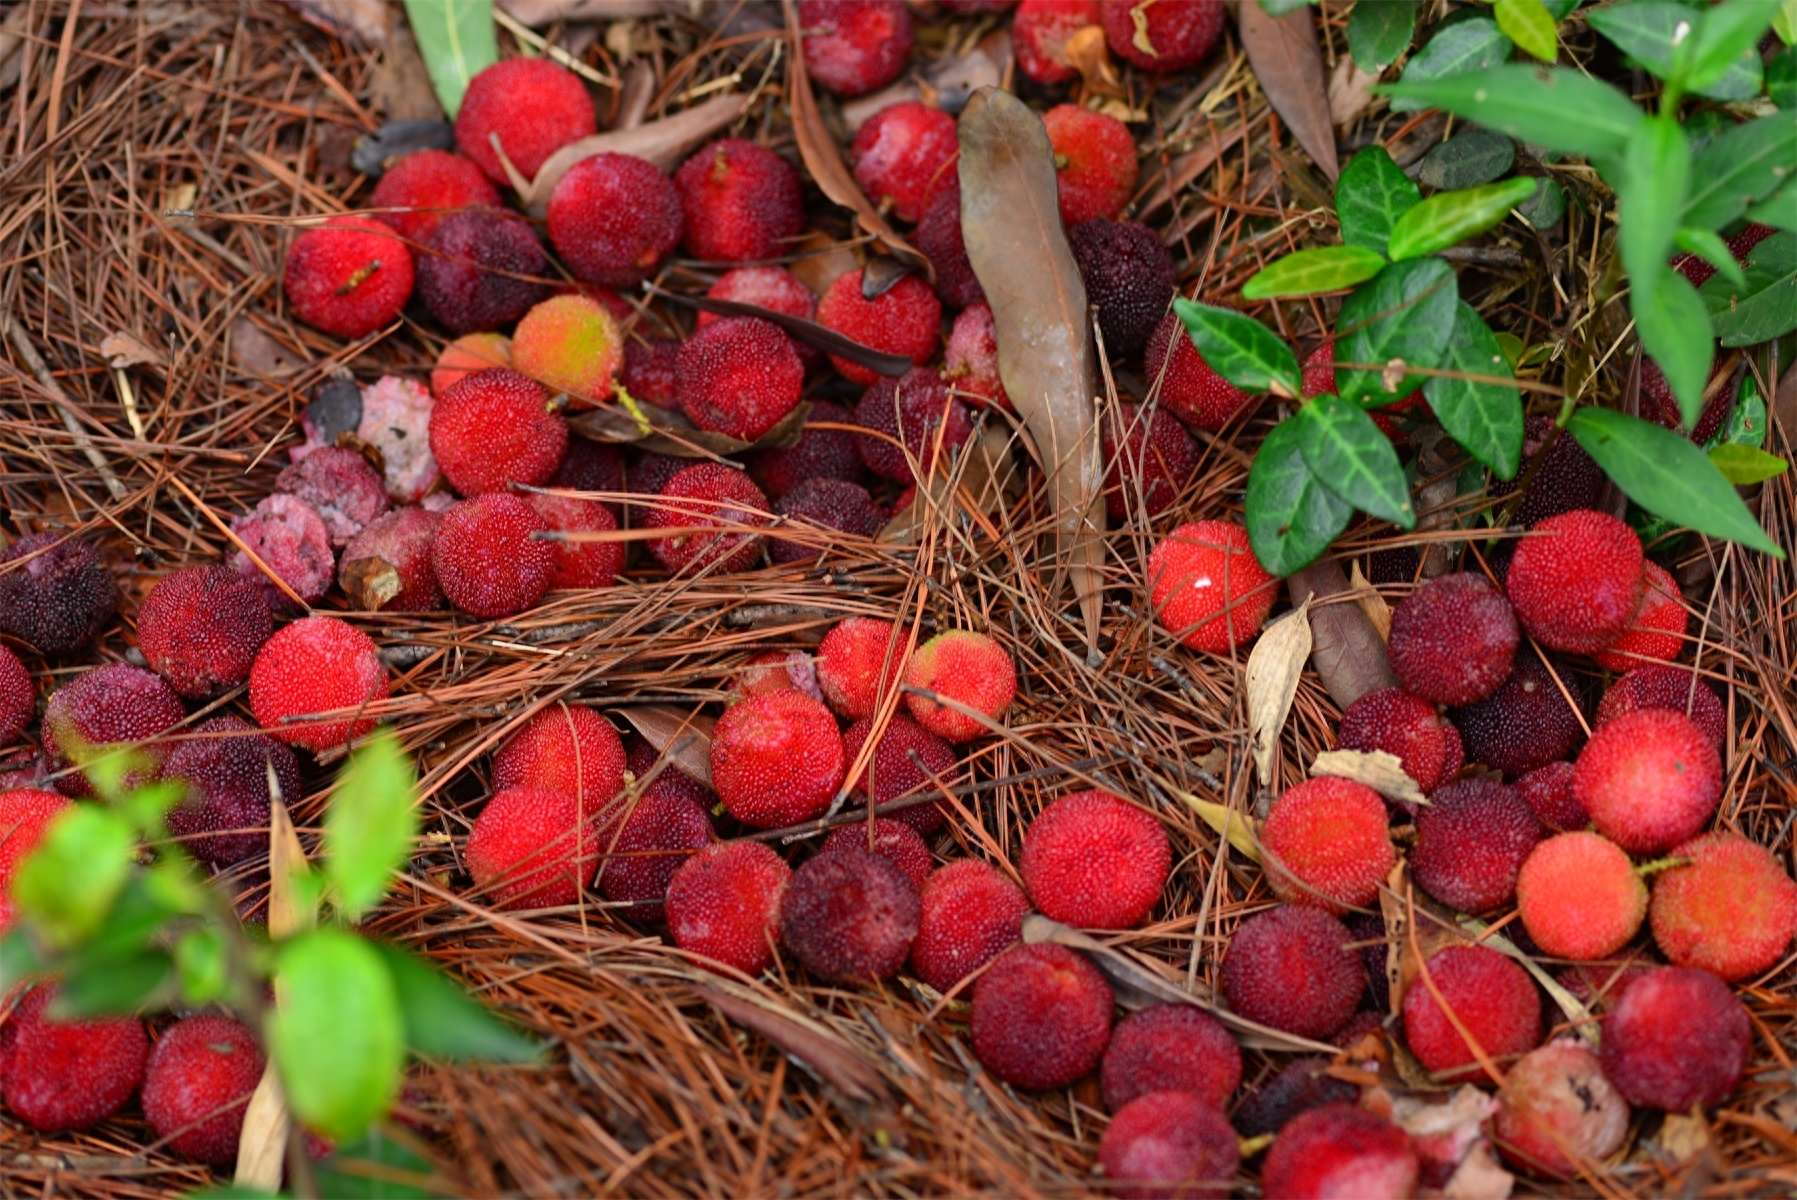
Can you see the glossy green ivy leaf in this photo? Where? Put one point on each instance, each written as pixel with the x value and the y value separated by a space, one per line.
pixel 1724 39
pixel 1747 422
pixel 457 41
pixel 1485 418
pixel 1240 349
pixel 1529 25
pixel 370 824
pixel 1560 109
pixel 1740 166
pixel 444 1022
pixel 125 984
pixel 1406 313
pixel 67 885
pixel 1545 206
pixel 1370 196
pixel 1766 307
pixel 1349 455
pixel 1449 218
pixel 1473 44
pixel 1708 245
pixel 1648 30
pixel 1308 272
pixel 1379 31
pixel 1473 156
pixel 1781 79
pixel 1746 465
pixel 337 1033
pixel 1291 517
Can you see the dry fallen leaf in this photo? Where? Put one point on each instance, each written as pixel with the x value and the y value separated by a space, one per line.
pixel 666 143
pixel 1237 827
pixel 1435 929
pixel 684 737
pixel 537 13
pixel 1378 769
pixel 255 353
pixel 1274 667
pixel 1349 655
pixel 1371 602
pixel 976 477
pixel 668 431
pixel 127 350
pixel 832 1058
pixel 370 582
pixel 1350 91
pixel 1283 52
pixel 367 20
pixel 810 332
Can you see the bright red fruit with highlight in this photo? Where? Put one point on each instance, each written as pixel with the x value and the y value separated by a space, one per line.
pixel 904 319
pixel 1732 911
pixel 1162 37
pixel 314 666
pixel 1340 1151
pixel 1657 632
pixel 1674 689
pixel 1170 1048
pixel 704 496
pixel 938 236
pixel 1149 458
pixel 915 411
pixel 63 1075
pixel 225 766
pixel 1649 780
pixel 1493 998
pixel 1391 719
pixel 853 47
pixel 425 186
pixel 200 628
pixel 532 848
pixel 1095 162
pixel 892 840
pixel 1454 639
pixel 486 560
pixel 531 106
pixel 481 270
pixel 776 759
pixel 853 659
pixel 1527 723
pixel 970 360
pixel 739 376
pixel 197 1086
pixel 850 915
pixel 24 815
pixel 1169 1144
pixel 1471 841
pixel 115 704
pixel 908 759
pixel 1039 34
pixel 1289 967
pixel 1326 844
pixel 613 219
pixel 903 155
pixel 1577 580
pixel 349 276
pixel 1094 860
pixel 724 904
pixel 495 429
pixel 1548 793
pixel 1579 897
pixel 640 860
pixel 1190 390
pixel 740 202
pixel 580 565
pixel 565 749
pixel 1041 1017
pixel 1677 1037
pixel 1556 1099
pixel 1207 588
pixel 18 697
pixel 968 668
pixel 971 914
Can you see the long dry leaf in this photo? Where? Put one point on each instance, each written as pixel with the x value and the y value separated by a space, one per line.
pixel 833 1059
pixel 1371 602
pixel 665 143
pixel 809 332
pixel 1011 223
pixel 1435 930
pixel 1236 827
pixel 1348 653
pixel 666 431
pixel 1283 52
pixel 685 737
pixel 1378 769
pixel 1274 667
pixel 262 1144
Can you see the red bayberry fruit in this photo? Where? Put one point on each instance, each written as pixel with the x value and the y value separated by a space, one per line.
pixel 1149 458
pixel 1732 911
pixel 570 344
pixel 1289 967
pixel 1579 897
pixel 24 815
pixel 970 914
pixel 1326 844
pixel 776 671
pixel 1162 37
pixel 486 560
pixel 481 270
pixel 1040 32
pixel 591 466
pixel 853 47
pixel 426 185
pixel 55 592
pixel 970 361
pixel 724 904
pixel 1600 984
pixel 859 660
pixel 1491 997
pixel 892 840
pixel 467 355
pixel 661 832
pixel 1339 1150
pixel 904 319
pixel 316 666
pixel 200 628
pixel 1454 639
pixel 1673 689
pixel 648 373
pixel 197 1086
pixel 968 668
pixel 293 542
pixel 1041 1017
pixel 740 202
pixel 1649 780
pixel 349 276
pixel 1170 1048
pixel 1677 1037
pixel 388 565
pixel 225 766
pixel 111 705
pixel 850 915
pixel 1527 723
pixel 531 106
pixel 1169 1144
pixel 824 504
pixel 1190 390
pixel 1207 588
pixel 1577 580
pixel 704 496
pixel 1548 793
pixel 1699 272
pixel 1471 841
pixel 1660 406
pixel 903 155
pixel 776 759
pixel 1300 1086
pixel 18 698
pixel 1568 478
pixel 1556 1100
pixel 818 454
pixel 593 564
pixel 917 412
pixel 938 235
pixel 564 749
pixel 614 218
pixel 1095 163
pixel 1129 279
pixel 495 429
pixel 64 1075
pixel 340 486
pixel 645 761
pixel 773 288
pixel 1094 860
pixel 908 759
pixel 1397 722
pixel 739 376
pixel 531 848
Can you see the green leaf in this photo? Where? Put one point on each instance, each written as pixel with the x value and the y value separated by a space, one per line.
pixel 1485 418
pixel 1544 208
pixel 1744 164
pixel 1469 158
pixel 444 1022
pixel 1560 109
pixel 19 958
pixel 1746 465
pixel 1292 518
pixel 369 827
pixel 1528 24
pixel 1353 459
pixel 1778 210
pixel 1307 272
pixel 200 966
pixel 1648 31
pixel 1405 312
pixel 1241 349
pixel 1747 422
pixel 1370 196
pixel 66 886
pixel 1379 31
pixel 1279 8
pixel 336 1033
pixel 1675 332
pixel 1449 218
pixel 1766 307
pixel 1724 39
pixel 377 1167
pixel 1665 474
pixel 114 985
pixel 1785 22
pixel 1559 10
pixel 1781 79
pixel 1709 246
pixel 1656 181
pixel 457 41
pixel 1470 45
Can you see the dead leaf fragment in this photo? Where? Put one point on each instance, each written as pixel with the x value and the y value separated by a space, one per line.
pixel 370 583
pixel 666 143
pixel 255 353
pixel 1371 602
pixel 1274 667
pixel 1378 769
pixel 1236 827
pixel 1348 654
pixel 1435 930
pixel 127 350
pixel 366 20
pixel 810 332
pixel 292 909
pixel 684 737
pixel 1350 91
pixel 833 1059
pixel 1286 60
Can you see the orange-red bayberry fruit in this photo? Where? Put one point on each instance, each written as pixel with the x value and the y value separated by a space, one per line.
pixel 1129 278
pixel 915 412
pixel 1649 780
pixel 823 505
pixel 197 1086
pixel 24 815
pixel 1567 477
pixel 776 759
pixel 1657 631
pixel 1397 722
pixel 200 628
pixel 739 376
pixel 481 269
pixel 1471 841
pixel 818 454
pixel 1579 896
pixel 1327 845
pixel 739 202
pixel 18 698
pixel 704 496
pixel 1190 390
pixel 1095 860
pixel 1041 1016
pixel 1732 910
pixel 1162 37
pixel 1166 1144
pixel 1149 458
pixel 724 904
pixel 110 705
pixel 486 560
pixel 1674 689
pixel 532 848
pixel 908 759
pixel 970 359
pixel 564 749
pixel 1339 1150
pixel 891 839
pixel 341 486
pixel 1527 723
pixel 1677 1037
pixel 853 47
pixel 850 915
pixel 1555 1100
pixel 570 344
pixel 317 665
pixel 904 319
pixel 55 592
pixel 1170 1048
pixel 63 1075
pixel 775 671
pixel 639 861
pixel 1493 999
pixel 1207 588
pixel 224 764
pixel 968 668
pixel 1577 580
pixel 495 429
pixel 531 106
pixel 1289 967
pixel 938 235
pixel 1454 639
pixel 424 187
pixel 1039 34
pixel 293 542
pixel 613 219
pixel 349 276
pixel 388 565
pixel 1095 162
pixel 467 355
pixel 903 155
pixel 970 915
pixel 1548 793
pixel 582 564
pixel 853 659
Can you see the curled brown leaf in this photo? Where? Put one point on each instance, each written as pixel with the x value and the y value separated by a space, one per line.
pixel 665 143
pixel 1286 60
pixel 684 737
pixel 1348 653
pixel 809 332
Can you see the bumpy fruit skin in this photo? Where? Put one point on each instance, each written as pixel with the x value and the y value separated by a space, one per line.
pixel 349 276
pixel 613 219
pixel 200 628
pixel 1676 1037
pixel 495 429
pixel 1673 689
pixel 1698 271
pixel 1397 722
pixel 1149 458
pixel 853 658
pixel 1525 724
pixel 1170 1048
pixel 1732 911
pixel 1493 998
pixel 970 915
pixel 775 671
pixel 532 848
pixel 1328 838
pixel 1300 1086
pixel 63 1075
pixel 772 288
pixel 915 410
pixel 592 467
pixel 293 542
pixel 110 705
pixel 18 697
pixel 1548 793
pixel 341 486
pixel 1095 164
pixel 640 860
pixel 1577 580
pixel 532 106
pixel 401 542
pixel 1454 639
pixel 424 186
pixel 908 758
pixel 724 904
pixel 316 665
pixel 564 749
pixel 1180 34
pixel 1567 478
pixel 853 47
pixel 1168 1144
pixel 739 376
pixel 467 355
pixel 1039 34
pixel 480 270
pixel 1289 968
pixel 1579 897
pixel 830 504
pixel 938 236
pixel 903 155
pixel 1041 1017
pixel 892 840
pixel 1340 1151
pixel 225 765
pixel 650 472
pixel 850 915
pixel 1471 841
pixel 704 495
pixel 970 360
pixel 1094 860
pixel 818 454
pixel 24 815
pixel 582 565
pixel 197 1086
pixel 739 202
pixel 1320 378
pixel 570 344
pixel 55 592
pixel 1657 631
pixel 905 319
pixel 1129 278
pixel 1207 588
pixel 486 560
pixel 1660 406
pixel 1599 985
pixel 648 373
pixel 1556 1096
pixel 1190 390
pixel 968 668
pixel 776 759
pixel 1649 780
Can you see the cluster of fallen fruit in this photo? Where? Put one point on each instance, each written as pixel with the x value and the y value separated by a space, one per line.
pixel 574 807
